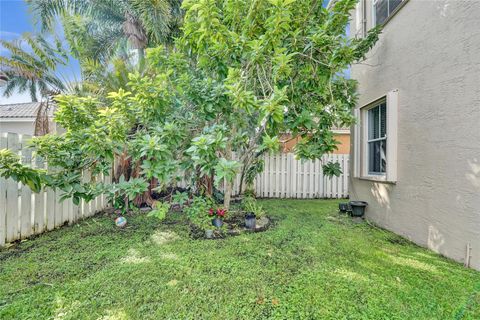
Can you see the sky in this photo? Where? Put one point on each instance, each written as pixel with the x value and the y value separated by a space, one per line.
pixel 16 19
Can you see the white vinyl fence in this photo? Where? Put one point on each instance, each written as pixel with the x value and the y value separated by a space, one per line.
pixel 24 213
pixel 285 177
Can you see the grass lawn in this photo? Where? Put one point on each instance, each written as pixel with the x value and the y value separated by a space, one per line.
pixel 314 264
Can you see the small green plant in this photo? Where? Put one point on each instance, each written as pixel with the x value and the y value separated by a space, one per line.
pixel 198 212
pixel 160 210
pixel 332 169
pixel 250 204
pixel 122 193
pixel 249 193
pixel 180 198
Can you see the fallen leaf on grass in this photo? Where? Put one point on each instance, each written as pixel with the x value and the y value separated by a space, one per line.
pixel 172 283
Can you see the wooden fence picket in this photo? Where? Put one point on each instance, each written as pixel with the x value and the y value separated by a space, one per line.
pixel 26 227
pixel 39 203
pixel 12 219
pixel 3 198
pixel 50 209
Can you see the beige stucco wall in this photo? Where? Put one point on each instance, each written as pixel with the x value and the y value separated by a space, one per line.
pixel 430 52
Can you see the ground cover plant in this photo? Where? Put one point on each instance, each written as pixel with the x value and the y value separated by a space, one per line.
pixel 314 264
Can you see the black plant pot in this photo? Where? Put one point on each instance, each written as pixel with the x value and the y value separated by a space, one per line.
pixel 250 220
pixel 358 208
pixel 217 222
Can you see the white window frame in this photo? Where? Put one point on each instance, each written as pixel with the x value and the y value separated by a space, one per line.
pixel 389 15
pixel 361 140
pixel 376 104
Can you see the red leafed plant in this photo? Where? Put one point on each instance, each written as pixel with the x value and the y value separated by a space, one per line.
pixel 220 213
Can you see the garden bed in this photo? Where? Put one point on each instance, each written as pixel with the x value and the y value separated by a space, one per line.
pixel 234 225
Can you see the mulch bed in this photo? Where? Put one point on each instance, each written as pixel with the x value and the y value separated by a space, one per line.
pixel 233 225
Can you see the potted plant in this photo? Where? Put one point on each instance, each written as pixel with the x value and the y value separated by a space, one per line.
pixel 253 211
pixel 218 215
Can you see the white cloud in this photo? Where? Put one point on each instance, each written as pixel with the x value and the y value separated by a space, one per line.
pixel 7 35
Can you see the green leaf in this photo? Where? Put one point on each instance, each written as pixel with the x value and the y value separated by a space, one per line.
pixel 332 169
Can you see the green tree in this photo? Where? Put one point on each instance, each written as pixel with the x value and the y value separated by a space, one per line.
pixel 242 73
pixel 100 30
pixel 30 65
pixel 280 64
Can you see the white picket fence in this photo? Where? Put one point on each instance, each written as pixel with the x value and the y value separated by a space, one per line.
pixel 24 213
pixel 285 177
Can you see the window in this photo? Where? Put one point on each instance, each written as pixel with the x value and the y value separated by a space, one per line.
pixel 382 9
pixel 377 139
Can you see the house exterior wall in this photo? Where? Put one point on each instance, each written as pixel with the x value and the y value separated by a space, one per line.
pixel 25 126
pixel 430 52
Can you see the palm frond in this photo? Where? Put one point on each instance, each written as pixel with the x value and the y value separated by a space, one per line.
pixel 155 16
pixel 31 68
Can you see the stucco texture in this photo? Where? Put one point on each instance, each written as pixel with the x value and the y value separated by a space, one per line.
pixel 430 52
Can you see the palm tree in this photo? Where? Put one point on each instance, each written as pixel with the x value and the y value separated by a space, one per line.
pixel 110 28
pixel 31 64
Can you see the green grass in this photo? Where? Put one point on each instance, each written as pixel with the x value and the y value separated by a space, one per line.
pixel 315 264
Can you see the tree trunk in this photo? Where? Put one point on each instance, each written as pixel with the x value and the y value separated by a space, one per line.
pixel 141 58
pixel 146 197
pixel 227 184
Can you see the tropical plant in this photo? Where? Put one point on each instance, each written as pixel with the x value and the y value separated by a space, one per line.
pixel 180 198
pixel 250 204
pixel 218 212
pixel 101 30
pixel 30 66
pixel 231 85
pixel 121 194
pixel 11 167
pixel 198 212
pixel 280 65
pixel 159 210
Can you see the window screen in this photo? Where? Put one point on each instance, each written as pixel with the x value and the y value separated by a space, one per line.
pixel 377 139
pixel 384 8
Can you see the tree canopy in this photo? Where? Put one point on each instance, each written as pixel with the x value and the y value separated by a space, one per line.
pixel 241 73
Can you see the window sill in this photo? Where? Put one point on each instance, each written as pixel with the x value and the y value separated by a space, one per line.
pixel 381 179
